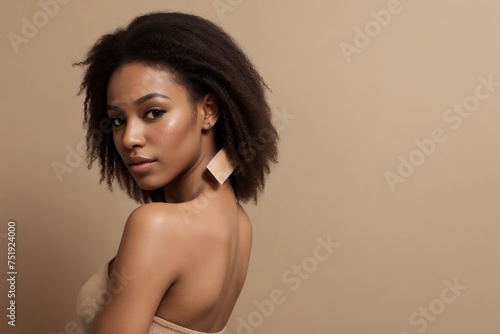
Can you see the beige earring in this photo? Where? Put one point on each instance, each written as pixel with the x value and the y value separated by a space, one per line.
pixel 220 166
pixel 209 125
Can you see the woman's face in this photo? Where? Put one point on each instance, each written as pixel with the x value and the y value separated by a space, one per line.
pixel 155 123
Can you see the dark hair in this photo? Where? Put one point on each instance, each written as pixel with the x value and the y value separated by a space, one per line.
pixel 204 59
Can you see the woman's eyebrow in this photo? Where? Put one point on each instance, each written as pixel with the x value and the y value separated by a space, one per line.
pixel 140 100
pixel 115 108
pixel 149 97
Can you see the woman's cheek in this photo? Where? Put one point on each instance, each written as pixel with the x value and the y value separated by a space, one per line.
pixel 177 125
pixel 166 132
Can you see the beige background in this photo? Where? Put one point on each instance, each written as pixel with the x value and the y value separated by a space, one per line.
pixel 351 123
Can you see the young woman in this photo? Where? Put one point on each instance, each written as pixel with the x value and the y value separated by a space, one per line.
pixel 176 112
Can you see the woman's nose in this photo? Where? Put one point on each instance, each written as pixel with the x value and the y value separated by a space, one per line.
pixel 134 134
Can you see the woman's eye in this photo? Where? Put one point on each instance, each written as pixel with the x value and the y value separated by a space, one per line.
pixel 117 121
pixel 154 113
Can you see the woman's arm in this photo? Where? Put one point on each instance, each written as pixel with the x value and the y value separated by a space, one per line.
pixel 140 276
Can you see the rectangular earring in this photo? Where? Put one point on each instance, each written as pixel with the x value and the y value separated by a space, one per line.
pixel 220 166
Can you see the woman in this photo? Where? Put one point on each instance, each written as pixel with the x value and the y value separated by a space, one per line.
pixel 177 113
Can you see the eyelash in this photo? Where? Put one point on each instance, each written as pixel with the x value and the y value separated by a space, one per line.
pixel 161 111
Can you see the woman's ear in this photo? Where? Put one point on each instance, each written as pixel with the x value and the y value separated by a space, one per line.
pixel 209 110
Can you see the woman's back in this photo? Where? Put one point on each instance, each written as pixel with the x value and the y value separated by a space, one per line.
pixel 216 256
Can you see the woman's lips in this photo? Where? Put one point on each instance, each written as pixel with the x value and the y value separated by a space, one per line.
pixel 142 167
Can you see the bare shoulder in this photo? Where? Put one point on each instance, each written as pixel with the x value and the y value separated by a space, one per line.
pixel 154 218
pixel 155 213
pixel 151 231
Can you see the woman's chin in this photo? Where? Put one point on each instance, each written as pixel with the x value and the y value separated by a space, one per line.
pixel 148 186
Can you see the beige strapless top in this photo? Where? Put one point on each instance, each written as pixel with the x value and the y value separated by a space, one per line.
pixel 94 294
